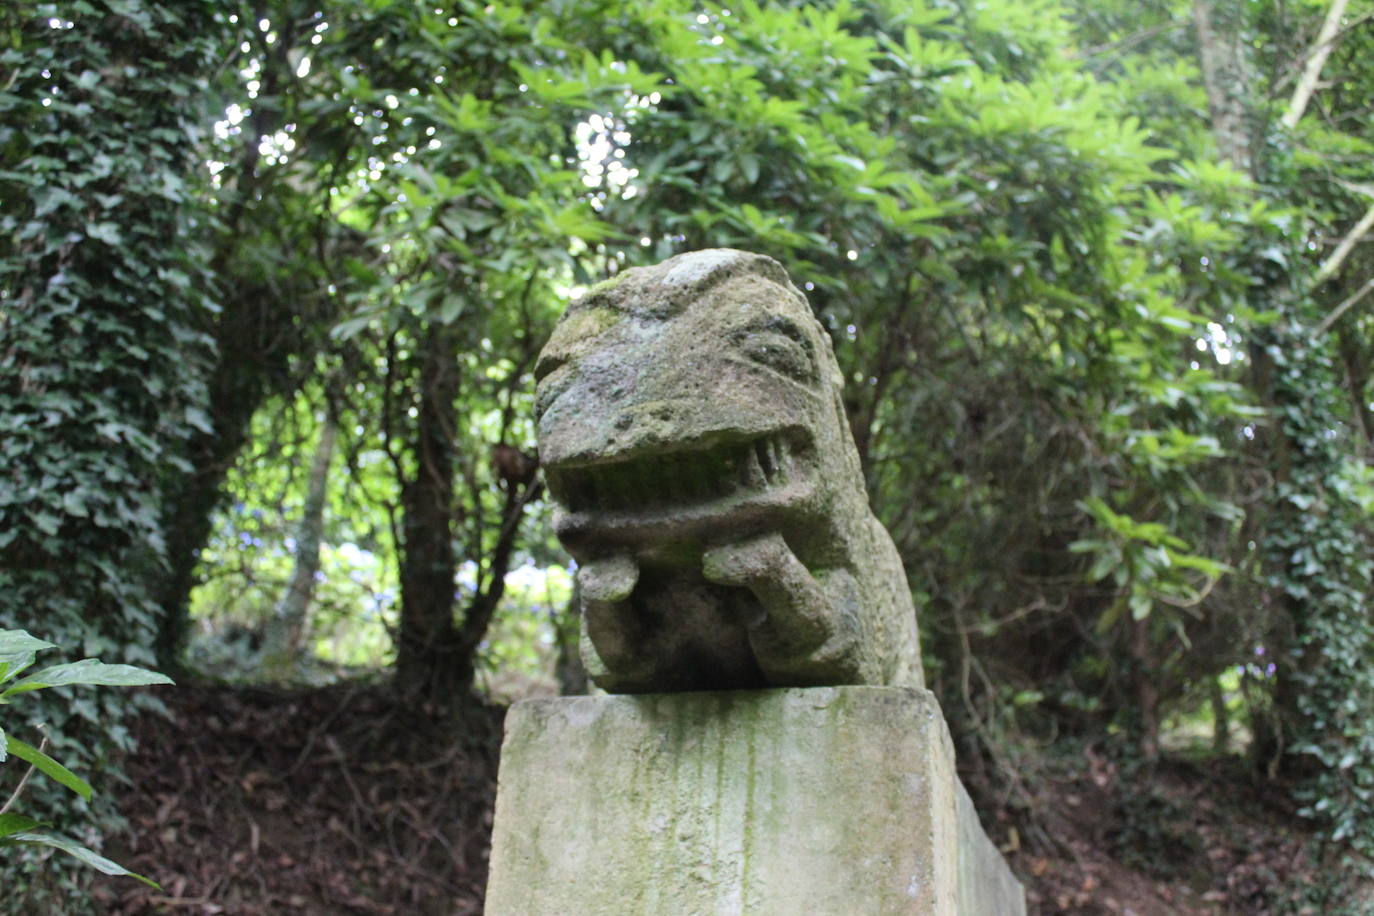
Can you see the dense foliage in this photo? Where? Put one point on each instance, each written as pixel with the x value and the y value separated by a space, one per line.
pixel 103 291
pixel 274 275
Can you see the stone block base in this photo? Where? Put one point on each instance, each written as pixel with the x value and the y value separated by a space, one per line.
pixel 828 801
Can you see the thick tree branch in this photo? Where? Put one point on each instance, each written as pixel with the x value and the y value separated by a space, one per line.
pixel 1316 59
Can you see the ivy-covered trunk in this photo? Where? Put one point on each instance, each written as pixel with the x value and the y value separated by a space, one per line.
pixel 1316 540
pixel 1317 563
pixel 101 368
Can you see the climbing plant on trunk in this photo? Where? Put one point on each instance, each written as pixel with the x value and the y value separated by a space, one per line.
pixel 102 290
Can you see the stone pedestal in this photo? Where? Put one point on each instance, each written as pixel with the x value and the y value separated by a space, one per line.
pixel 829 801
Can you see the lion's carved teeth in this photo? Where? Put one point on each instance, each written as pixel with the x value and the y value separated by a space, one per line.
pixel 765 459
pixel 677 478
pixel 754 477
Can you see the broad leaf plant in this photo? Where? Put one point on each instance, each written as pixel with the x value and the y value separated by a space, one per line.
pixel 17 653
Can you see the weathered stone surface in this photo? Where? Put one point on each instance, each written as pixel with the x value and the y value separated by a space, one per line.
pixel 986 883
pixel 821 801
pixel 692 432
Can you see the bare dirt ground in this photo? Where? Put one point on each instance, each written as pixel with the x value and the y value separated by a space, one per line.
pixel 331 801
pixel 339 800
pixel 1179 839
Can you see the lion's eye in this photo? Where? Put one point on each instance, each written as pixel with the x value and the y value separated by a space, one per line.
pixel 779 352
pixel 548 362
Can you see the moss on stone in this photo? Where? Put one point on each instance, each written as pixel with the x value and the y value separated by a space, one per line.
pixel 599 290
pixel 830 801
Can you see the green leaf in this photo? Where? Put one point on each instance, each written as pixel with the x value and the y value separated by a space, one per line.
pixel 73 848
pixel 749 164
pixel 1110 617
pixel 346 329
pixel 74 503
pixel 46 522
pixel 1141 605
pixel 199 419
pixel 49 767
pixel 89 671
pixel 17 650
pixel 105 232
pixel 451 308
pixel 11 823
pixel 1104 565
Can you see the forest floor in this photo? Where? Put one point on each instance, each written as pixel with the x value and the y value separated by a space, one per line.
pixel 1180 838
pixel 339 800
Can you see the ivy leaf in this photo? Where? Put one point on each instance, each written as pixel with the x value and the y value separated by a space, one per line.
pixel 46 522
pixel 105 232
pixel 74 503
pixel 198 418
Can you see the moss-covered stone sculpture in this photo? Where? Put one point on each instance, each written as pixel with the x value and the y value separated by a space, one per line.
pixel 694 439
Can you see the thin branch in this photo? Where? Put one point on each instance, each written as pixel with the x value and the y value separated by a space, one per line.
pixel 23 780
pixel 1316 59
pixel 1290 74
pixel 477 617
pixel 388 399
pixel 1355 187
pixel 1186 603
pixel 528 350
pixel 1345 306
pixel 1347 244
pixel 1133 39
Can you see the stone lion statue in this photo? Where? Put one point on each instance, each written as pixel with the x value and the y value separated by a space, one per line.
pixel 694 440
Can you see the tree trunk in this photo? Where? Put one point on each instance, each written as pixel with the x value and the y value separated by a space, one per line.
pixel 1355 360
pixel 256 328
pixel 286 629
pixel 1146 691
pixel 428 653
pixel 1221 53
pixel 102 368
pixel 1221 720
pixel 187 521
